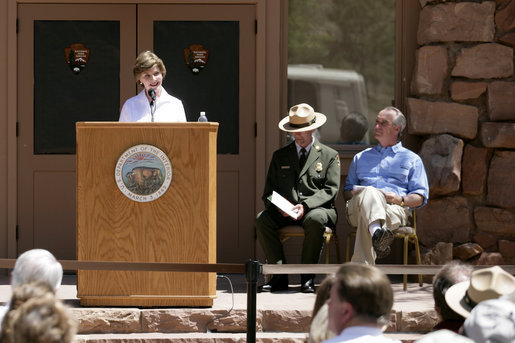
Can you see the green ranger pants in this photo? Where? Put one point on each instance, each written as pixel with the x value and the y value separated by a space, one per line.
pixel 313 222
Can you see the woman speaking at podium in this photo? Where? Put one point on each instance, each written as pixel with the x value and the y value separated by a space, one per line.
pixel 153 103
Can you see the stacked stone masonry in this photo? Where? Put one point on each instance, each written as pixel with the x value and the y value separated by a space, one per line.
pixel 462 105
pixel 197 325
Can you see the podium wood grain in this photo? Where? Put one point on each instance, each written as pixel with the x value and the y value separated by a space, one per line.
pixel 180 226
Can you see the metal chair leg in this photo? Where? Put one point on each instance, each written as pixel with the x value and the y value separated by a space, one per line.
pixel 405 277
pixel 327 247
pixel 419 260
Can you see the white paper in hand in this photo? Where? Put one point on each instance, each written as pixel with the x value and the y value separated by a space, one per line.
pixel 285 206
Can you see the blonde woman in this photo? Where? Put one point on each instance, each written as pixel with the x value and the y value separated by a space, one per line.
pixel 153 103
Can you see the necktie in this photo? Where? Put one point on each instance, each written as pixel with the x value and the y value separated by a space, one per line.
pixel 303 158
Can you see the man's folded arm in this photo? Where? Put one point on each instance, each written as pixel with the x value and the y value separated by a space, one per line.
pixel 413 200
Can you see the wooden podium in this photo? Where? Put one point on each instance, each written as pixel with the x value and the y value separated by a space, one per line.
pixel 179 226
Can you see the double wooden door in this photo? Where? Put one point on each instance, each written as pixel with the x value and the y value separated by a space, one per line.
pixel 53 96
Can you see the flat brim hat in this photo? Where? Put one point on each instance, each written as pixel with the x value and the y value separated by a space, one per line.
pixel 302 117
pixel 484 284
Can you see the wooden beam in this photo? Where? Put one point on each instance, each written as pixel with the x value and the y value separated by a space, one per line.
pixel 390 269
pixel 223 268
pixel 228 268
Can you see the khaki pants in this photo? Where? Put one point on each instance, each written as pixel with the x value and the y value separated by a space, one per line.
pixel 363 209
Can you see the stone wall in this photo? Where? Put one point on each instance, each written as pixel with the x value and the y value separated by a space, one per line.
pixel 462 104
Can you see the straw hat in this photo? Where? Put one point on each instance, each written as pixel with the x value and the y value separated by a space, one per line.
pixel 484 284
pixel 302 117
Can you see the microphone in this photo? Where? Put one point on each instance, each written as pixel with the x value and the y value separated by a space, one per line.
pixel 152 93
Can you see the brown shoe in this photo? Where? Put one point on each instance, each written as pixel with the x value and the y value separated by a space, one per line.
pixel 381 241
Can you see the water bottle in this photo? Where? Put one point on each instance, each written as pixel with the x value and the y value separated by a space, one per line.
pixel 202 117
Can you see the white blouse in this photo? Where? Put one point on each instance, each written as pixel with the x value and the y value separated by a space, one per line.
pixel 168 109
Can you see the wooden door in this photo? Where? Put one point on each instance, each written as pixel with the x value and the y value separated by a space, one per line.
pixel 225 90
pixel 52 97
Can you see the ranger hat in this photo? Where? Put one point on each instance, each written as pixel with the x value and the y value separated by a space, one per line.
pixel 302 117
pixel 484 284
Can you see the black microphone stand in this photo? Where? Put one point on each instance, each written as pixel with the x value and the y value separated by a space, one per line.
pixel 152 93
pixel 152 109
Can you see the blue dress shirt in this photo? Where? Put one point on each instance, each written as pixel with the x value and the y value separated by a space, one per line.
pixel 392 169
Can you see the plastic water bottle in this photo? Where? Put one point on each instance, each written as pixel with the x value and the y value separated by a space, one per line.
pixel 202 117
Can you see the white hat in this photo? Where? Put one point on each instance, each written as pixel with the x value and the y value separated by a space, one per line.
pixel 302 117
pixel 443 335
pixel 484 284
pixel 492 321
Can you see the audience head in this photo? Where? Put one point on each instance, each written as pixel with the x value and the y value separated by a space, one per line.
pixel 146 61
pixel 353 127
pixel 29 290
pixel 323 293
pixel 319 331
pixel 20 295
pixel 450 274
pixel 492 321
pixel 484 284
pixel 37 265
pixel 361 295
pixel 42 319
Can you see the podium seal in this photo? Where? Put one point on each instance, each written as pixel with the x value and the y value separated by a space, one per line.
pixel 143 173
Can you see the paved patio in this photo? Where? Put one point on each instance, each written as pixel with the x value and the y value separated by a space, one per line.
pixel 414 298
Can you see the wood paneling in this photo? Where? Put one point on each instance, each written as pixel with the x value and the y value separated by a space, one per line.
pixel 180 226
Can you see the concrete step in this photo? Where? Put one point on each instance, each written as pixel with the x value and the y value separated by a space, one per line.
pixel 262 337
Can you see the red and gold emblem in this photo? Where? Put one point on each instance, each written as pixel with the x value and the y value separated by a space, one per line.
pixel 196 57
pixel 77 56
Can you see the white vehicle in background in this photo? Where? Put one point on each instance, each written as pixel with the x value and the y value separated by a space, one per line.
pixel 333 92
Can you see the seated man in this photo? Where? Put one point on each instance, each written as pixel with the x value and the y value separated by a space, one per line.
pixel 307 174
pixel 383 183
pixel 360 304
